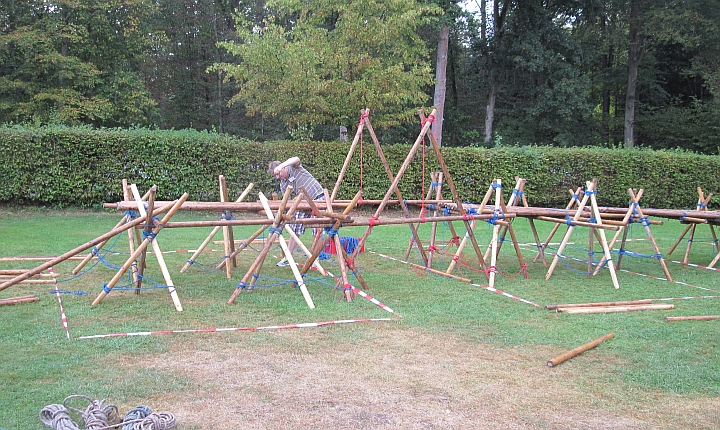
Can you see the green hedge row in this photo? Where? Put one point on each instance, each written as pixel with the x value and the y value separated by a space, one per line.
pixel 83 167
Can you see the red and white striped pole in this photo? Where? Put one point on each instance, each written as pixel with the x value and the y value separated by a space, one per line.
pixel 62 311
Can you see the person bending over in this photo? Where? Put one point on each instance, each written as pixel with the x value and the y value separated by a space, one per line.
pixel 291 172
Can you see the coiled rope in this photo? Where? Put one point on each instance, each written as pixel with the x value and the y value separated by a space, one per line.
pixel 101 416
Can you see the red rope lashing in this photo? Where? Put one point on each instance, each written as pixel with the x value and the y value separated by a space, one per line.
pixel 433 248
pixel 455 240
pixel 468 217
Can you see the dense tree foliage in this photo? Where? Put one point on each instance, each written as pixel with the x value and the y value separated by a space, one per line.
pixel 563 72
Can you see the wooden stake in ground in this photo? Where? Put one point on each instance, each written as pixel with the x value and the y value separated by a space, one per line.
pixel 228 238
pixel 579 350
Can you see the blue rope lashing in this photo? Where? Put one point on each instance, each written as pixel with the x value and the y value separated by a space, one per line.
pixel 701 206
pixel 592 220
pixel 431 207
pixel 590 193
pixel 241 286
pixel 518 192
pixel 568 220
pixel 227 215
pixel 472 211
pixel 330 231
pixel 576 196
pixel 645 221
pixel 275 230
pixel 149 235
pixel 106 289
pixel 446 211
pixel 496 186
pixel 131 214
pixel 436 184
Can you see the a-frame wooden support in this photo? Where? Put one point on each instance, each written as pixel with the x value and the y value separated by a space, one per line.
pixel 590 195
pixel 692 223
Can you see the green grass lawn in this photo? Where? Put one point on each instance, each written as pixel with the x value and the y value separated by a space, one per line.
pixel 41 366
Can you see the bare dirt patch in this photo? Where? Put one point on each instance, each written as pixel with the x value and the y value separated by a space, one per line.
pixel 390 376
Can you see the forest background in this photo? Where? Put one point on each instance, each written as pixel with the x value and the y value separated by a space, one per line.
pixel 563 73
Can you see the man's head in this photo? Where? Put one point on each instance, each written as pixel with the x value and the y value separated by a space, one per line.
pixel 272 167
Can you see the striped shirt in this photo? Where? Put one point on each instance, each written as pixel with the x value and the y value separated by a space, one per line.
pixel 300 177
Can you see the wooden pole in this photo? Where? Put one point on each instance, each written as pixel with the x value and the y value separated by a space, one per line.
pixel 156 246
pixel 394 189
pixel 18 300
pixel 574 199
pixel 139 265
pixel 611 309
pixel 579 350
pixel 595 304
pixel 603 240
pixel 694 318
pixel 363 115
pixel 288 254
pixel 228 239
pixel 566 238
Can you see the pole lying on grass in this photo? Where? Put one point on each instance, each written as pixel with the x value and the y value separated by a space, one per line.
pixel 579 350
pixel 694 318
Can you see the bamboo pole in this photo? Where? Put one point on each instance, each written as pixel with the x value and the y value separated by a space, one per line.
pixel 288 254
pixel 694 318
pixel 214 232
pixel 579 350
pixel 143 245
pixel 52 261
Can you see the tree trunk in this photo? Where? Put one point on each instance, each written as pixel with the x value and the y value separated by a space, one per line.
pixel 634 56
pixel 440 84
pixel 490 112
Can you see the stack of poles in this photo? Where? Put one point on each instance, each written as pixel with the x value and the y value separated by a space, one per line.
pixel 609 307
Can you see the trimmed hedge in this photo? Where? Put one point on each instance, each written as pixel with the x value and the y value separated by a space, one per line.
pixel 83 167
